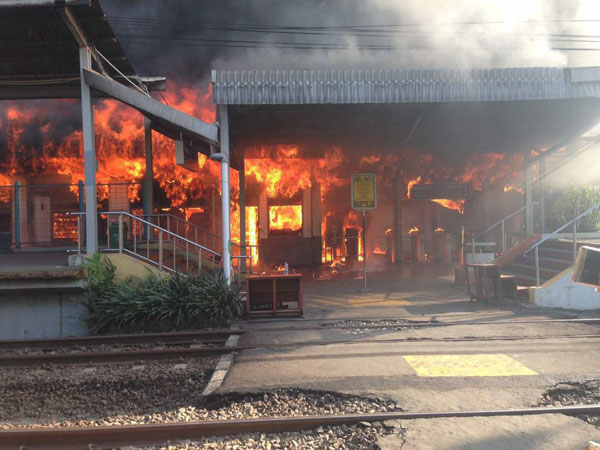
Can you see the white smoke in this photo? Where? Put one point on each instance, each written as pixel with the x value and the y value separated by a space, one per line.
pixel 434 33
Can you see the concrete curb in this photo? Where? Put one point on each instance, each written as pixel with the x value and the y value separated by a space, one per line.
pixel 223 366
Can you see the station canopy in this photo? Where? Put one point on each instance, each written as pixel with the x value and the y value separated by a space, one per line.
pixel 39 58
pixel 39 48
pixel 450 112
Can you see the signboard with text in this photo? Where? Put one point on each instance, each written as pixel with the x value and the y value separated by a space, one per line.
pixel 364 191
pixel 449 191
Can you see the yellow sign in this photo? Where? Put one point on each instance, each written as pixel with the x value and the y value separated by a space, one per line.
pixel 364 191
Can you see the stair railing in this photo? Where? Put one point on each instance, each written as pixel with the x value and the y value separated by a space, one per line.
pixel 573 224
pixel 149 234
pixel 190 229
pixel 184 228
pixel 500 223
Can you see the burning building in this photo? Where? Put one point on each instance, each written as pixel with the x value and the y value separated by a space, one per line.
pixel 295 140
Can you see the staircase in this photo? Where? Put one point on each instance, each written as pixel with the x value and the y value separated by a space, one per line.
pixel 555 256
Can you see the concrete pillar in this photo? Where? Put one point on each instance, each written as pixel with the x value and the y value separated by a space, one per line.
pixel 397 250
pixel 242 178
pixel 542 187
pixel 527 173
pixel 148 199
pixel 317 212
pixel 89 156
pixel 307 228
pixel 225 206
pixel 263 215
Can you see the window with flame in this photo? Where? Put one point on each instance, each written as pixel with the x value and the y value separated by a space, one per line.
pixel 64 227
pixel 285 219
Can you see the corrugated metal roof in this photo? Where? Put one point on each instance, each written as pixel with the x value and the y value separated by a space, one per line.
pixel 39 54
pixel 276 87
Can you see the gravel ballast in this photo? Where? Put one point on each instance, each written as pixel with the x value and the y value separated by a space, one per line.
pixel 77 395
pixel 279 403
pixel 360 437
pixel 370 326
pixel 575 393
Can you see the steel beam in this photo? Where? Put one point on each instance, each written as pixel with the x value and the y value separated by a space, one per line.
pixel 156 111
pixel 242 202
pixel 89 156
pixel 80 37
pixel 148 176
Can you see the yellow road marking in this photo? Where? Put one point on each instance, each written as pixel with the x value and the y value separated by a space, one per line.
pixel 364 303
pixel 467 366
pixel 312 300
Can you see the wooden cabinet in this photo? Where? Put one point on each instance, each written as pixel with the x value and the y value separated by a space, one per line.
pixel 274 295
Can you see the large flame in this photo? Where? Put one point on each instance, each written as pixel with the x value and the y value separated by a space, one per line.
pixel 288 218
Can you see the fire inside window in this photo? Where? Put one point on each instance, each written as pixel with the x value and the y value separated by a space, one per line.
pixel 64 227
pixel 285 219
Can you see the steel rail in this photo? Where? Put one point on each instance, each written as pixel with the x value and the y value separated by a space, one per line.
pixel 140 338
pixel 410 324
pixel 153 354
pixel 118 435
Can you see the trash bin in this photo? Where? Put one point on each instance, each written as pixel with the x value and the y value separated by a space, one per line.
pixel 113 235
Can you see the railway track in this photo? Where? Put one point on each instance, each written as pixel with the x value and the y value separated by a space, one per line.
pixel 84 437
pixel 118 339
pixel 411 323
pixel 83 357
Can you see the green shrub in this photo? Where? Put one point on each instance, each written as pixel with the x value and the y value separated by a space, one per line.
pixel 157 304
pixel 572 202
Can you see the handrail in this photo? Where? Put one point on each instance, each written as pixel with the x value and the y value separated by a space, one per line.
pixel 198 227
pixel 572 222
pixel 500 222
pixel 163 230
pixel 179 219
pixel 179 243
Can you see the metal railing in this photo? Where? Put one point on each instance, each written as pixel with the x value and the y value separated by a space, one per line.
pixel 186 229
pixel 155 245
pixel 502 224
pixel 573 223
pixel 200 236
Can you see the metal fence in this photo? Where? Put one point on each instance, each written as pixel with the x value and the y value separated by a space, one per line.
pixel 37 215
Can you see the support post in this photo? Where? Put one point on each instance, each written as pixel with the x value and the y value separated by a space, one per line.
pixel 17 215
pixel 397 250
pixel 242 178
pixel 89 155
pixel 364 248
pixel 528 195
pixel 542 186
pixel 148 176
pixel 225 209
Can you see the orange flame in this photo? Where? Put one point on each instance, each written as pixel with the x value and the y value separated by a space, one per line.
pixel 378 251
pixel 287 217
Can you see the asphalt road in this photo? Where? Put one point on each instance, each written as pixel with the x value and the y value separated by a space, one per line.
pixel 505 364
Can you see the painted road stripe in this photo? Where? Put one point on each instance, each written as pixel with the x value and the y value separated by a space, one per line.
pixel 494 365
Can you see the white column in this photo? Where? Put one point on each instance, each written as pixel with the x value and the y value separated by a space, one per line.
pixel 242 178
pixel 89 156
pixel 306 213
pixel 225 209
pixel 528 175
pixel 148 177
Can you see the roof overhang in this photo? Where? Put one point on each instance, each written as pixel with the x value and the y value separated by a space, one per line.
pixel 339 87
pixel 441 112
pixel 39 48
pixel 166 120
